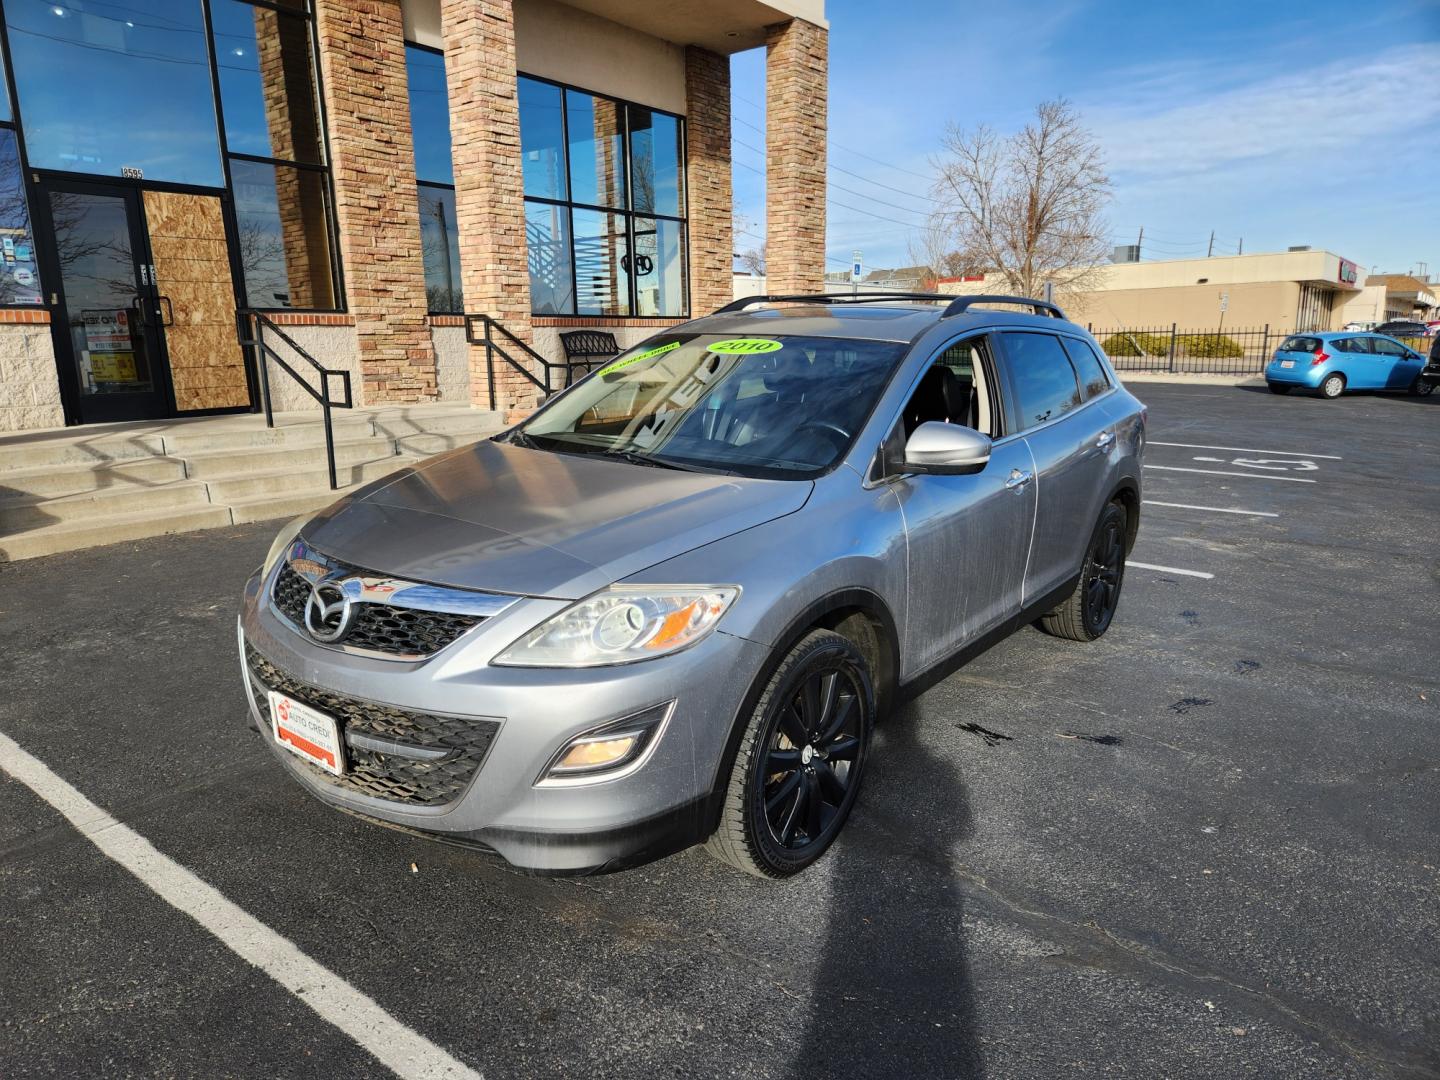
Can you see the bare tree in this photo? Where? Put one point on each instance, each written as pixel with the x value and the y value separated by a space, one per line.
pixel 750 252
pixel 1028 207
pixel 934 248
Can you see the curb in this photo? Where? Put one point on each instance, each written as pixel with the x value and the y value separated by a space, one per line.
pixel 1191 379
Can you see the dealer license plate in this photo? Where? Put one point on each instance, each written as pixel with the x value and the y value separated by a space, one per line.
pixel 312 734
pixel 1287 363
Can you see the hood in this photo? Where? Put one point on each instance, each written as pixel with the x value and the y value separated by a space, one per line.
pixel 504 518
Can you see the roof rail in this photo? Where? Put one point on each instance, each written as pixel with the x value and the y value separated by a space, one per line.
pixel 961 304
pixel 872 296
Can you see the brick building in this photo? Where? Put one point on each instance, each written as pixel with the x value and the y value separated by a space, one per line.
pixel 365 173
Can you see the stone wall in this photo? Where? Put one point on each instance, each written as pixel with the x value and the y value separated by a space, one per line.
pixel 333 346
pixel 710 200
pixel 797 67
pixel 362 55
pixel 452 364
pixel 29 385
pixel 489 202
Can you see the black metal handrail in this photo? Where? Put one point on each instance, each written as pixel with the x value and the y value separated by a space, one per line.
pixel 253 325
pixel 487 336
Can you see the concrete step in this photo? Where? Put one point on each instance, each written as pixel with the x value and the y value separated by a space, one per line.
pixel 53 481
pixel 74 535
pixel 25 453
pixel 282 483
pixel 283 506
pixel 236 463
pixel 35 511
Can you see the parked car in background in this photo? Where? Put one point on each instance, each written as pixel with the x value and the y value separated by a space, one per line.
pixel 670 606
pixel 1337 361
pixel 1404 328
pixel 1357 327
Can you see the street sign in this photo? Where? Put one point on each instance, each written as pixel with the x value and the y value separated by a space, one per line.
pixel 1224 301
pixel 855 274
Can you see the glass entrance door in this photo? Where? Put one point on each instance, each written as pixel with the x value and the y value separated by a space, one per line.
pixel 106 313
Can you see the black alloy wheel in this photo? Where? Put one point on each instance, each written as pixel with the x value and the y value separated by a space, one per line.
pixel 1104 571
pixel 797 770
pixel 809 761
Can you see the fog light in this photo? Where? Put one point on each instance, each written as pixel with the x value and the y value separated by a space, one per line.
pixel 609 751
pixel 597 753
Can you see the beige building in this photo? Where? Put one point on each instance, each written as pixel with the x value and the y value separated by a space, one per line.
pixel 366 173
pixel 1287 291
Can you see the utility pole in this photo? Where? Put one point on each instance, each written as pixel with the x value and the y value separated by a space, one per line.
pixel 1138 252
pixel 1211 249
pixel 1241 249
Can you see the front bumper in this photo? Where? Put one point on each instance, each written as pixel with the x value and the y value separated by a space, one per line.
pixel 529 713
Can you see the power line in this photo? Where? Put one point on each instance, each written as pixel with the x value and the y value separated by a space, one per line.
pixel 842 146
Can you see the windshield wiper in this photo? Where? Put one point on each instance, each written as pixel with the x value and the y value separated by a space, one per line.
pixel 644 459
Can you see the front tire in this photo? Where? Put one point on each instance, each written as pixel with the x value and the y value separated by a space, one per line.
pixel 1088 611
pixel 800 762
pixel 1423 387
pixel 1276 388
pixel 1333 386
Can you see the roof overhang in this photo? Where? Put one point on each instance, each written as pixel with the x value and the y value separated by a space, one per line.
pixel 722 26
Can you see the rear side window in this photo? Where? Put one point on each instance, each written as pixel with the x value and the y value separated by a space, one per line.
pixel 1093 380
pixel 1045 383
pixel 1300 344
pixel 1356 345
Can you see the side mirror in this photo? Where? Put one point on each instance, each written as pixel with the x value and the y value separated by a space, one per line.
pixel 946 449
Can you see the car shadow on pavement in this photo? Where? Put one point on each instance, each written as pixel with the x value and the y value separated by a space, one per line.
pixel 893 995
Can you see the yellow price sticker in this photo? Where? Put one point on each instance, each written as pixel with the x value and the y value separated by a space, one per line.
pixel 648 354
pixel 744 346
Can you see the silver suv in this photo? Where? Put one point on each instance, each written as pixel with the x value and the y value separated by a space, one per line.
pixel 671 605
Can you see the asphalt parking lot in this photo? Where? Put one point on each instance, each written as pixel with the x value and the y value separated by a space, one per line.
pixel 1206 846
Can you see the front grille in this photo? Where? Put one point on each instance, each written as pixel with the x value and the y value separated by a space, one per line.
pixel 382 628
pixel 386 776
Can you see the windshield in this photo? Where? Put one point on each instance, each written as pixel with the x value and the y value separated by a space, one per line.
pixel 779 407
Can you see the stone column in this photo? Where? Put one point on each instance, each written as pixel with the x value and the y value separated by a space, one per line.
pixel 489 184
pixel 362 62
pixel 797 65
pixel 709 198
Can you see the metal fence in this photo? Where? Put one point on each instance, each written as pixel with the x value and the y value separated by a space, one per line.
pixel 1243 350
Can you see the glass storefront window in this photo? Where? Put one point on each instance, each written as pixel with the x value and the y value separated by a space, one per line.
pixel 547 240
pixel 440 247
pixel 623 198
pixel 542 139
pixel 19 275
pixel 4 93
pixel 659 267
pixel 282 215
pixel 657 161
pixel 87 73
pixel 602 263
pixel 429 115
pixel 597 150
pixel 267 82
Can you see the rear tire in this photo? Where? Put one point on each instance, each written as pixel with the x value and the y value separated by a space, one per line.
pixel 800 762
pixel 1333 386
pixel 1276 388
pixel 1088 611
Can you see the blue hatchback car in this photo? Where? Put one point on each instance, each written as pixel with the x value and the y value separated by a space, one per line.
pixel 1335 362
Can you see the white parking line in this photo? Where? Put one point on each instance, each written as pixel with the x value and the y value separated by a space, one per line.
pixel 400 1049
pixel 1169 570
pixel 1221 472
pixel 1246 450
pixel 1211 509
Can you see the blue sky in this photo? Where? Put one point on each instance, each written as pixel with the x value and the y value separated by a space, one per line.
pixel 1273 121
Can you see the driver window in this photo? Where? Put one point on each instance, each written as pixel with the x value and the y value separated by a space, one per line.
pixel 955 389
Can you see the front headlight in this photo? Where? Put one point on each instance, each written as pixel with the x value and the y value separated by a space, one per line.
pixel 283 539
pixel 621 625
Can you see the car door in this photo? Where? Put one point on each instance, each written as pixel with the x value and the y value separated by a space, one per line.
pixel 967 536
pixel 1072 444
pixel 1354 359
pixel 1396 365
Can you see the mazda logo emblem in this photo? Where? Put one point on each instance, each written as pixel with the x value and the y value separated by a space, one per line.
pixel 328 614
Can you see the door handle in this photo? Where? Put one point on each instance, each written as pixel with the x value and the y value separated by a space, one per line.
pixel 1018 479
pixel 140 307
pixel 1106 440
pixel 167 317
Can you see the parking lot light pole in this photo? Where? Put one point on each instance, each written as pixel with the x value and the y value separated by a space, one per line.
pixel 1172 346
